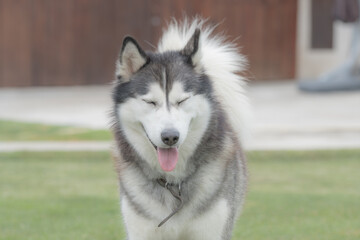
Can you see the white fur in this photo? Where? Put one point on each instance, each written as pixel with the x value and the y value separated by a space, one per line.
pixel 221 62
pixel 155 119
pixel 208 226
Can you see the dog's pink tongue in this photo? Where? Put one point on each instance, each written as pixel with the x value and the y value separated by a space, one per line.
pixel 168 158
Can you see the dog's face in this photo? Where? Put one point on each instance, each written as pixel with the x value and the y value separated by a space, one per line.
pixel 166 116
pixel 162 103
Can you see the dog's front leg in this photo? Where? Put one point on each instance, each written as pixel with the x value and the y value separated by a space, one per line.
pixel 138 227
pixel 213 224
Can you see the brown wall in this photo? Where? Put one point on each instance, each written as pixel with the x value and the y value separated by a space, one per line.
pixel 75 42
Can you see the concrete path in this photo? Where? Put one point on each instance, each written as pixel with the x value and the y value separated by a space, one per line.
pixel 40 146
pixel 78 106
pixel 284 118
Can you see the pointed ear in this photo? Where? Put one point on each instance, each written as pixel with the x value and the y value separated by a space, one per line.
pixel 191 49
pixel 131 59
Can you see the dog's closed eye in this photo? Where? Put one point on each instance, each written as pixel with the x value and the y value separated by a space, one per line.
pixel 150 102
pixel 182 101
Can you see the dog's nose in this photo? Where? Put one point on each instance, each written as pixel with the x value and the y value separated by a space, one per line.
pixel 170 136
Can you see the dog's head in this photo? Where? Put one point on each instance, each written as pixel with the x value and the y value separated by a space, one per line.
pixel 162 102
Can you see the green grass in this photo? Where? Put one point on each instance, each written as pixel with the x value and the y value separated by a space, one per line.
pixel 302 195
pixel 46 196
pixel 19 131
pixel 292 196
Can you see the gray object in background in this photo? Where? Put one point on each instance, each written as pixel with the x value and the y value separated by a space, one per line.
pixel 346 10
pixel 346 76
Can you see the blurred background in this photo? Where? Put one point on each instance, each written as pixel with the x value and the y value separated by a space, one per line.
pixel 57 62
pixel 57 43
pixel 74 45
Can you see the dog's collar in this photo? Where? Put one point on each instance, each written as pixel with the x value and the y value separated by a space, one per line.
pixel 175 190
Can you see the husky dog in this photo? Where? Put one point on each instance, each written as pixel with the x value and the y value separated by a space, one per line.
pixel 179 115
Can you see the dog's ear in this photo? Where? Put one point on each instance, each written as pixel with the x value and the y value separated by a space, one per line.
pixel 131 59
pixel 191 49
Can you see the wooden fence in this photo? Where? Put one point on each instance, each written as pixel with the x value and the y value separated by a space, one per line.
pixel 76 42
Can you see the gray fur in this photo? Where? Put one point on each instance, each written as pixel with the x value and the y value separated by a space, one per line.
pixel 177 67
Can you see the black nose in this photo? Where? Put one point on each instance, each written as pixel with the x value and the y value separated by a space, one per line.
pixel 170 136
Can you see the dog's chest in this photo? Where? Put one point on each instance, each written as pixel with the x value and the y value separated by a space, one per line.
pixel 208 225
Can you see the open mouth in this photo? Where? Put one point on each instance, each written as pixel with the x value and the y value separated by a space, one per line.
pixel 167 157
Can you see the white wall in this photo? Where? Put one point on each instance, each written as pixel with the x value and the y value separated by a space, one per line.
pixel 313 62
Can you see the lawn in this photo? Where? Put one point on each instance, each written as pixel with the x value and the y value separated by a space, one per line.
pixel 292 196
pixel 20 131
